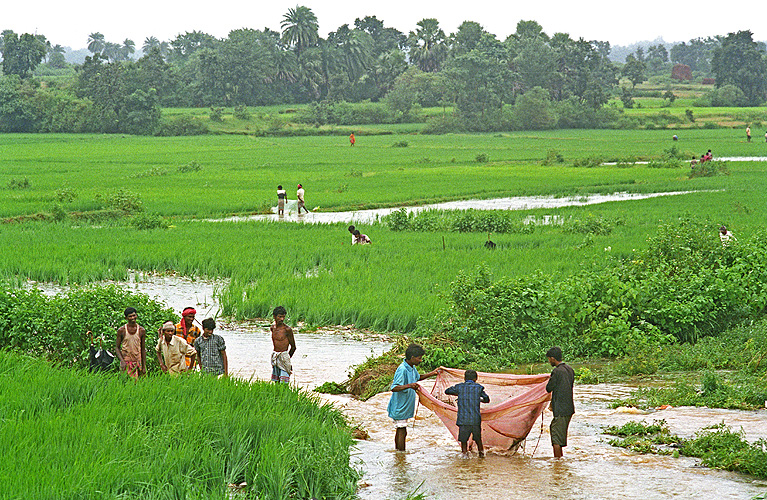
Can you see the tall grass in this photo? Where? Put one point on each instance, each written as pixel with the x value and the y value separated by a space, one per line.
pixel 72 435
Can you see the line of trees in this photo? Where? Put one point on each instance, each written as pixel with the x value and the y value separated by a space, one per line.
pixel 471 71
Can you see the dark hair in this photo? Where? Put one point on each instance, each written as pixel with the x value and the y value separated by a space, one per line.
pixel 413 351
pixel 554 352
pixel 356 232
pixel 470 375
pixel 130 310
pixel 351 229
pixel 279 311
pixel 279 186
pixel 209 324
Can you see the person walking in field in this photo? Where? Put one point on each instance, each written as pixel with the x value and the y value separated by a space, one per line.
pixel 211 350
pixel 300 197
pixel 130 345
pixel 173 350
pixel 469 420
pixel 282 197
pixel 560 386
pixel 187 330
pixel 748 134
pixel 403 386
pixel 352 140
pixel 284 346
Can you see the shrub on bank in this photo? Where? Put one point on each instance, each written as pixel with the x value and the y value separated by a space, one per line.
pixel 55 327
pixel 684 287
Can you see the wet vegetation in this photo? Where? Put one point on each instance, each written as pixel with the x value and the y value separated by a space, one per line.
pixel 717 446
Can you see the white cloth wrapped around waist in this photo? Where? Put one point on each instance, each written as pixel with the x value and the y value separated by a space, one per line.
pixel 282 361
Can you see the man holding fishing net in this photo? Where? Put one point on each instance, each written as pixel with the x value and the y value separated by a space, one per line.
pixel 560 386
pixel 403 386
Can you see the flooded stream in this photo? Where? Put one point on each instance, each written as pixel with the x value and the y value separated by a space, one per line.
pixel 591 469
pixel 512 203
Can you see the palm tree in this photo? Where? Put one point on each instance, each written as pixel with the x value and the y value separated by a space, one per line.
pixel 111 51
pixel 96 42
pixel 300 28
pixel 427 45
pixel 149 43
pixel 128 48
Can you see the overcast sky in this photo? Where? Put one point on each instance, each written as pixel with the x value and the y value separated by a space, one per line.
pixel 621 23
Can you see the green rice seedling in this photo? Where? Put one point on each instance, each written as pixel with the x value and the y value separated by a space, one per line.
pixel 94 432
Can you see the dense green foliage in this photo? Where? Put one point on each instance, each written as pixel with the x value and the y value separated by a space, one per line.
pixel 54 327
pixel 95 436
pixel 528 81
pixel 683 287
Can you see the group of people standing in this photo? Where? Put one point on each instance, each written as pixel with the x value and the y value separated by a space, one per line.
pixel 180 347
pixel 282 198
pixel 471 394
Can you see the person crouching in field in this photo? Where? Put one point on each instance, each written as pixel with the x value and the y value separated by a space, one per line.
pixel 403 386
pixel 211 350
pixel 172 350
pixel 130 345
pixel 469 421
pixel 284 347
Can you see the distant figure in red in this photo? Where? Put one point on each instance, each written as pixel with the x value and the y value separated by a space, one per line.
pixel 352 140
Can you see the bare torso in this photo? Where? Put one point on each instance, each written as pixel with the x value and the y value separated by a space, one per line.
pixel 282 338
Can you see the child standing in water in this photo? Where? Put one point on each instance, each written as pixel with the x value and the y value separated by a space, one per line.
pixel 469 420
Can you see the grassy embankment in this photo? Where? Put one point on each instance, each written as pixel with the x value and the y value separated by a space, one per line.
pixel 68 435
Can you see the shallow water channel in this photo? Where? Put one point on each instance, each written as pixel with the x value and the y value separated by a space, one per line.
pixel 591 469
pixel 512 203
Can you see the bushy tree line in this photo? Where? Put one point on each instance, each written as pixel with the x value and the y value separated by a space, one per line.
pixel 554 80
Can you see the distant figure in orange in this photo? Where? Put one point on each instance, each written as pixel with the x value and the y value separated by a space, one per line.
pixel 352 140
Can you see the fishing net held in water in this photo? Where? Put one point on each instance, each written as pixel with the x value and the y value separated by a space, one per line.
pixel 516 402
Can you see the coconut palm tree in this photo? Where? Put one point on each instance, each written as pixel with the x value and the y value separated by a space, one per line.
pixel 428 49
pixel 96 42
pixel 128 48
pixel 300 29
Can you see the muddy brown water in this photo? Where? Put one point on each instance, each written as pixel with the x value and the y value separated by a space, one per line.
pixel 591 469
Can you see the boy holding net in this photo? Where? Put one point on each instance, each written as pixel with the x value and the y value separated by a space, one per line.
pixel 469 420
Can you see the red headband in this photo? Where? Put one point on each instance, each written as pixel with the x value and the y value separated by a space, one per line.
pixel 188 311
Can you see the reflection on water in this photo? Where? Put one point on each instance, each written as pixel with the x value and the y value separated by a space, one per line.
pixel 513 203
pixel 591 469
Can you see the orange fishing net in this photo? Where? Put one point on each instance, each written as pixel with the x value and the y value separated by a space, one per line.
pixel 516 402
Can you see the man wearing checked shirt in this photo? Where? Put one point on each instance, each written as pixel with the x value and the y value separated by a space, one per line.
pixel 469 420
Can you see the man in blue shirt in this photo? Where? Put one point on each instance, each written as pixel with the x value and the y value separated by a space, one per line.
pixel 403 387
pixel 469 420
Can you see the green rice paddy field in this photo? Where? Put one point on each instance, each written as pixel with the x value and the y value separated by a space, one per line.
pixel 312 270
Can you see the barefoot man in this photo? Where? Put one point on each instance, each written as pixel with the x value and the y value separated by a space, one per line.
pixel 130 345
pixel 284 347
